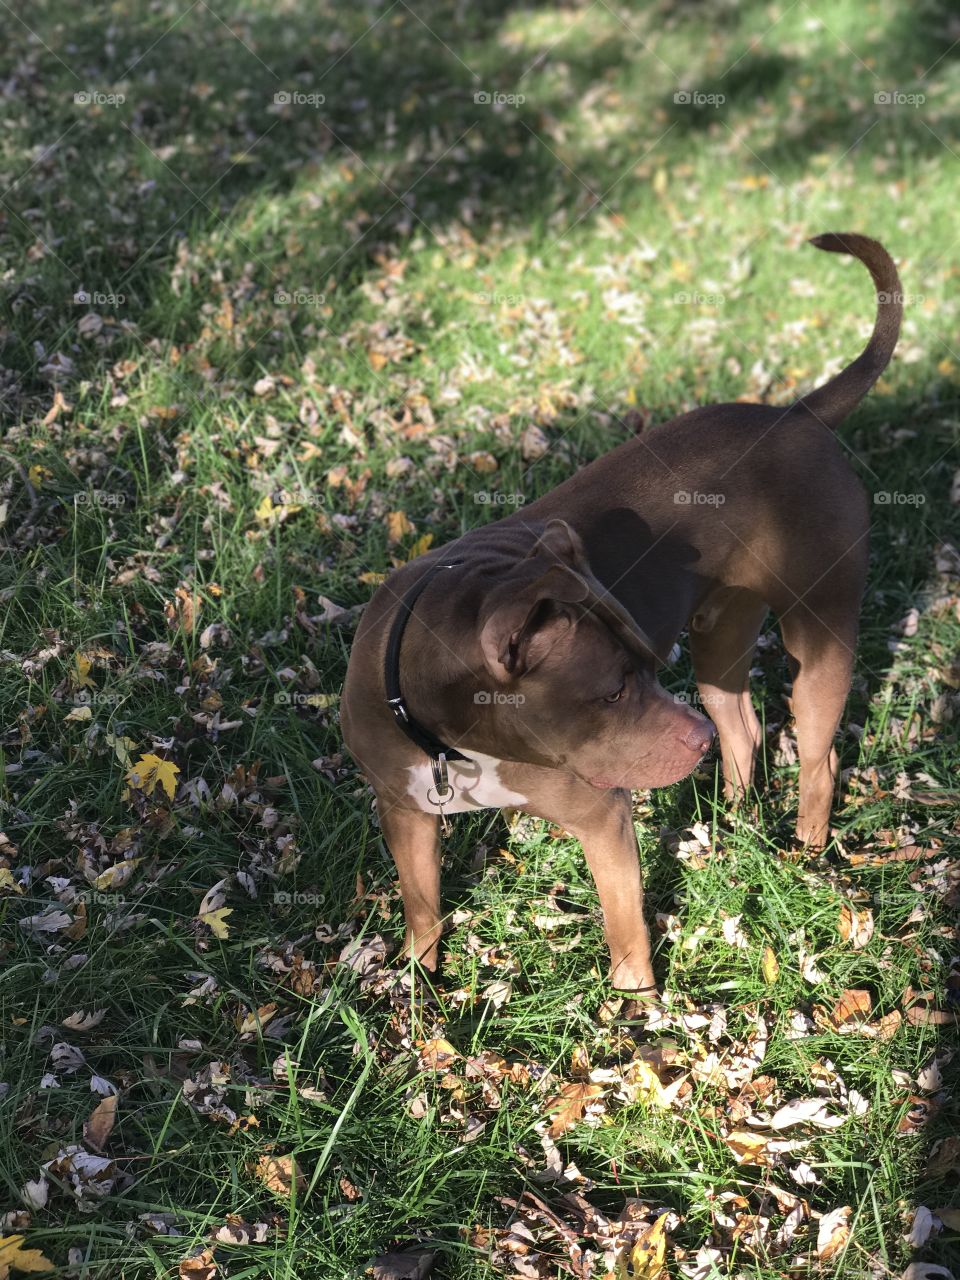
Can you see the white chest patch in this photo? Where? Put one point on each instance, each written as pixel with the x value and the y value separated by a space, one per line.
pixel 476 785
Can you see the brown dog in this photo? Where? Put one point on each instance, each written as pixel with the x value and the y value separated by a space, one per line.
pixel 516 665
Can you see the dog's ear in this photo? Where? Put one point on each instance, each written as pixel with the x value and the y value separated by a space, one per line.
pixel 523 628
pixel 560 541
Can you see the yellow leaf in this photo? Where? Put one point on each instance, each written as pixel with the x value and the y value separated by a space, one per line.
pixel 371 579
pixel 631 396
pixel 122 747
pixel 398 526
pixel 79 714
pixel 29 1260
pixel 7 881
pixel 270 513
pixel 648 1256
pixel 118 875
pixel 421 545
pixel 770 966
pixel 150 770
pixel 36 474
pixel 216 921
pixel 83 665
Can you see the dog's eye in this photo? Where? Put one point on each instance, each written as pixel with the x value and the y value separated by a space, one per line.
pixel 615 697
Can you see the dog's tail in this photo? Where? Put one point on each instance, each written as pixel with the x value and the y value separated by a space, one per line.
pixel 831 403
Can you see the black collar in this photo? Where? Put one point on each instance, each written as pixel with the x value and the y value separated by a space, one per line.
pixel 414 730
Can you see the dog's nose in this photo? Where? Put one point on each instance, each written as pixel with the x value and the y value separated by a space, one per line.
pixel 699 737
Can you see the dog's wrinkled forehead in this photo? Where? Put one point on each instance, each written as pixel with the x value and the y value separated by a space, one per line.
pixel 550 591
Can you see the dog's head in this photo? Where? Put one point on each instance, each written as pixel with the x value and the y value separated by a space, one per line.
pixel 568 678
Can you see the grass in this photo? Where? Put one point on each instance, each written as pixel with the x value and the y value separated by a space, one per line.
pixel 359 308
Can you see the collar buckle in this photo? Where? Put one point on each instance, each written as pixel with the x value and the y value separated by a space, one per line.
pixel 399 709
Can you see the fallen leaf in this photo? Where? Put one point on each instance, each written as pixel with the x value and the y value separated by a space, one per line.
pixel 437 1055
pixel 398 527
pixel 408 1264
pixel 833 1233
pixel 770 966
pixel 151 770
pixel 944 1158
pixel 200 1267
pixel 648 1255
pixel 856 926
pixel 853 1006
pixel 83 1021
pixel 13 1255
pixel 79 715
pixel 568 1106
pixel 279 1173
pixel 99 1124
pixel 216 921
pixel 806 1111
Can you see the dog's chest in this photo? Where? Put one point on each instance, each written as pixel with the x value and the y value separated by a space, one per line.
pixel 476 784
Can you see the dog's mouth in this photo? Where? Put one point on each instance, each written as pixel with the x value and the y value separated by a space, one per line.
pixel 662 773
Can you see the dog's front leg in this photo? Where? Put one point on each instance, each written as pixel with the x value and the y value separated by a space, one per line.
pixel 413 838
pixel 603 823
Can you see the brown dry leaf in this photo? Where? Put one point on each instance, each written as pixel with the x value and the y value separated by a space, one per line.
pixel 200 1267
pixel 182 611
pixel 437 1055
pixel 398 527
pixel 406 1264
pixel 852 1007
pixel 568 1106
pixel 944 1158
pixel 277 1173
pixel 856 926
pixel 833 1233
pixel 13 1256
pixel 99 1124
pixel 750 1147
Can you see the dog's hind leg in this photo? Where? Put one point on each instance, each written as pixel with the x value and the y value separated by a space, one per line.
pixel 723 638
pixel 820 646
